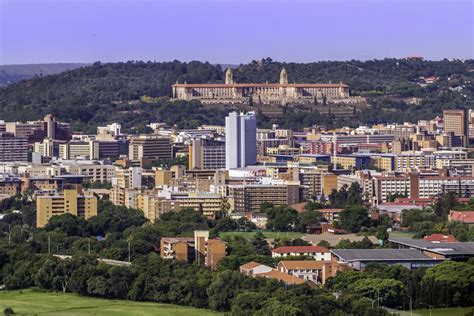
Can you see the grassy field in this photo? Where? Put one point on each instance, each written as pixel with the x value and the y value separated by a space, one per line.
pixel 272 235
pixel 31 302
pixel 398 234
pixel 453 311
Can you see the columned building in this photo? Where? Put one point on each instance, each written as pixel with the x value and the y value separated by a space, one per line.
pixel 267 93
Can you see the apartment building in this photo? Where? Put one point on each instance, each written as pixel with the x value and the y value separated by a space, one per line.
pixel 13 148
pixel 73 201
pixel 94 172
pixel 317 252
pixel 127 178
pixel 10 186
pixel 208 204
pixel 200 249
pixel 352 161
pixel 249 198
pixel 387 186
pixel 408 162
pixel 314 271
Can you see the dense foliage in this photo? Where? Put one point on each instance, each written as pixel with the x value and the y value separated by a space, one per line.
pixel 447 284
pixel 434 218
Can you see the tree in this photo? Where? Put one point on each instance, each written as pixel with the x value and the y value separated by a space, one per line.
pixel 325 244
pixel 67 223
pixel 352 218
pixel 281 218
pixel 260 245
pixel 388 292
pixel 223 289
pixel 309 217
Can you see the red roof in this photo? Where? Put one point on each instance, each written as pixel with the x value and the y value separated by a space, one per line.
pixel 300 249
pixel 441 238
pixel 462 216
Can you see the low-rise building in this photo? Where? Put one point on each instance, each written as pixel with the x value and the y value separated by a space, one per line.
pixel 317 252
pixel 358 259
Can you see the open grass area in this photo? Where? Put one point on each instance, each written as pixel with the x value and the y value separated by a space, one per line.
pixel 32 302
pixel 453 311
pixel 398 234
pixel 271 235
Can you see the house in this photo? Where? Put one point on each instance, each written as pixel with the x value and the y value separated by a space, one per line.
pixel 358 259
pixel 331 214
pixel 317 252
pixel 315 271
pixel 466 217
pixel 437 238
pixel 459 251
pixel 255 269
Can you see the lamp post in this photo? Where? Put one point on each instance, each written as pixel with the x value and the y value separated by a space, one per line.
pixel 429 306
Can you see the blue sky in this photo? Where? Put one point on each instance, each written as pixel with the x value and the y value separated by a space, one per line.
pixel 233 31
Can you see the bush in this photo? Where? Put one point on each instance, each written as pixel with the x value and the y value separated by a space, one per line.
pixel 8 311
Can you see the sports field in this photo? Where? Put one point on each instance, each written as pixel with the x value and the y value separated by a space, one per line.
pixel 453 311
pixel 31 302
pixel 271 235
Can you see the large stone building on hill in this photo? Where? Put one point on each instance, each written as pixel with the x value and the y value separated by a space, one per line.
pixel 265 93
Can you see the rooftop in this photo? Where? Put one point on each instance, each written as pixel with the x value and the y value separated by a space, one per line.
pixel 300 249
pixel 379 254
pixel 442 248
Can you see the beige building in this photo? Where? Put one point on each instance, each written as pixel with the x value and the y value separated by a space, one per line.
pixel 267 93
pixel 249 198
pixel 73 201
pixel 207 154
pixel 94 173
pixel 457 121
pixel 150 147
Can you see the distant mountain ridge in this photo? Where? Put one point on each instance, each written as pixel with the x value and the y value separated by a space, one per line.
pixel 13 73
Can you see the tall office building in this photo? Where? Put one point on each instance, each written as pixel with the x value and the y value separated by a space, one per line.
pixel 13 148
pixel 240 140
pixel 457 121
pixel 206 154
pixel 150 147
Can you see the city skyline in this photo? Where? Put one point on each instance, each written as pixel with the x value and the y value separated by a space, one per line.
pixel 232 32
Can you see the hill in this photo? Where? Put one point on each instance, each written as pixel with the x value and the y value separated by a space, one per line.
pixel 135 93
pixel 31 302
pixel 13 73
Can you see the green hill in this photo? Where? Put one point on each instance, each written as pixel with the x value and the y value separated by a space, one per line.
pixel 102 93
pixel 13 73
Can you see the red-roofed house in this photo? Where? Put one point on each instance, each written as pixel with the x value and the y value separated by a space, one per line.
pixel 437 238
pixel 317 252
pixel 462 216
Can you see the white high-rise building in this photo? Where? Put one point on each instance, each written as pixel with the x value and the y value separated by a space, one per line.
pixel 240 140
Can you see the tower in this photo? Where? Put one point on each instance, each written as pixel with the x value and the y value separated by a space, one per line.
pixel 240 140
pixel 229 77
pixel 283 76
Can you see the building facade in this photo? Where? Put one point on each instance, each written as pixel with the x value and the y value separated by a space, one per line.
pixel 240 140
pixel 265 93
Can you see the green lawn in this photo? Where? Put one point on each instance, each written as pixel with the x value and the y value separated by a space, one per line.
pixel 271 235
pixel 398 234
pixel 31 302
pixel 453 311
